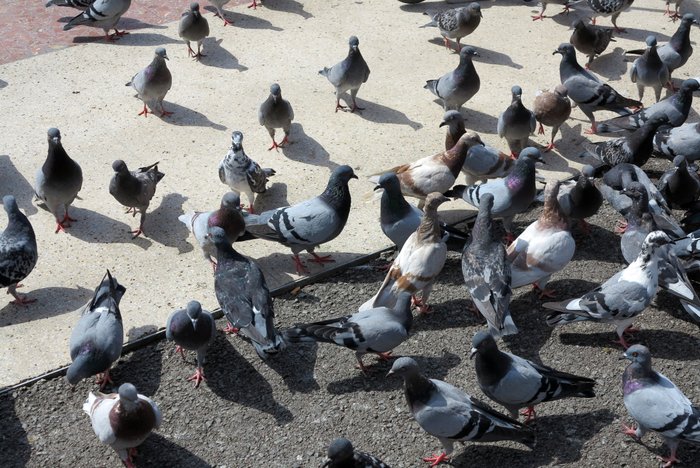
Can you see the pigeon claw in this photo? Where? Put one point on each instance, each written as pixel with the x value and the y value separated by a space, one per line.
pixel 435 460
pixel 20 299
pixel 670 460
pixel 621 341
pixel 529 414
pixel 540 17
pixel 181 350
pixel 423 308
pixel 386 356
pixel 299 265
pixel 103 379
pixel 549 147
pixel 136 233
pixel 621 227
pixel 144 112
pixel 630 431
pixel 321 260
pixel 230 329
pixel 550 293
pixel 254 5
pixel 197 377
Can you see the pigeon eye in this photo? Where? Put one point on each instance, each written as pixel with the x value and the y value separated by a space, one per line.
pixel 635 354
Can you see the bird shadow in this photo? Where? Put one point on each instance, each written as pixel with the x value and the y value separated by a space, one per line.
pixel 305 149
pixel 671 304
pixel 13 436
pixel 159 451
pixel 14 183
pixel 3 84
pixel 219 57
pixel 478 121
pixel 533 333
pixel 495 58
pixel 185 117
pixel 296 367
pixel 601 245
pixel 130 368
pixel 165 228
pixel 446 315
pixel 98 228
pixel 274 197
pixel 434 367
pixel 381 114
pixel 289 6
pixel 244 21
pixel 49 303
pixel 233 378
pixel 610 65
pixel 132 39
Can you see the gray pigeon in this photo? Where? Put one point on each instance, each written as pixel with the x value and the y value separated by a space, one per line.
pixel 516 383
pixel 588 91
pixel 590 40
pixel 58 181
pixel 153 83
pixel 670 142
pixel 18 250
pixel 96 340
pixel 675 107
pixel 656 404
pixel 341 454
pixel 610 8
pixel 219 5
pixel 487 273
pixel 193 27
pixel 241 173
pixel 79 4
pixel 649 70
pixel 103 14
pixel 552 108
pixel 194 329
pixel 377 330
pixel 458 86
pixel 484 162
pixel 679 185
pixel 348 75
pixel 456 23
pixel 675 15
pixel 451 415
pixel 621 298
pixel 580 199
pixel 455 128
pixel 541 16
pixel 135 189
pixel 310 223
pixel 516 123
pixel 276 112
pixel 242 293
pixel 512 194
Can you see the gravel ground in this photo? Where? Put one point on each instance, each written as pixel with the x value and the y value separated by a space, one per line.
pixel 285 412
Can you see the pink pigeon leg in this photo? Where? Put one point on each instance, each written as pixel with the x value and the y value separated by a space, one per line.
pixel 435 460
pixel 197 377
pixel 299 265
pixel 20 299
pixel 179 349
pixel 321 259
pixel 104 379
pixel 144 112
pixel 230 329
pixel 630 431
pixel 529 414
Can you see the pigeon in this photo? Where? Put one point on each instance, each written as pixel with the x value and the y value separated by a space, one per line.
pixel 656 404
pixel 545 247
pixel 135 189
pixel 484 162
pixel 341 454
pixel 516 123
pixel 512 194
pixel 675 15
pixel 18 251
pixel 649 70
pixel 448 413
pixel 123 420
pixel 276 112
pixel 195 329
pixel 244 298
pixel 153 83
pixel 580 199
pixel 79 4
pixel 241 173
pixel 621 298
pixel 418 263
pixel 348 75
pixel 96 340
pixel 58 181
pixel 219 5
pixel 675 108
pixel 608 8
pixel 552 108
pixel 590 40
pixel 670 142
pixel 680 186
pixel 487 272
pixel 456 23
pixel 310 223
pixel 544 3
pixel 103 14
pixel 516 383
pixel 228 217
pixel 588 91
pixel 458 86
pixel 634 148
pixel 377 330
pixel 455 127
pixel 193 28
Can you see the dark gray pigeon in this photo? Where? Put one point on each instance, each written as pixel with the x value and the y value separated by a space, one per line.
pixel 193 27
pixel 194 329
pixel 680 185
pixel 456 23
pixel 487 272
pixel 517 383
pixel 241 173
pixel 341 454
pixel 58 181
pixel 310 223
pixel 455 128
pixel 451 415
pixel 135 189
pixel 103 14
pixel 656 404
pixel 348 75
pixel 609 8
pixel 590 40
pixel 670 142
pixel 458 86
pixel 516 123
pixel 242 293
pixel 649 70
pixel 377 330
pixel 588 91
pixel 18 250
pixel 276 112
pixel 153 83
pixel 79 4
pixel 580 199
pixel 96 340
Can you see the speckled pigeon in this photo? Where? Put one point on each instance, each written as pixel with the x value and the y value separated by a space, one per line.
pixel 456 23
pixel 18 250
pixel 608 8
pixel 79 4
pixel 670 142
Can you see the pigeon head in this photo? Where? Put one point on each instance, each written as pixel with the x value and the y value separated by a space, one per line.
pixel 532 154
pixel 160 51
pixel 236 140
pixel 404 366
pixel 119 167
pixel 651 41
pixel 578 24
pixel 275 92
pixel 486 202
pixel 466 53
pixel 354 44
pixel 635 190
pixel 10 204
pixel 561 90
pixel 389 182
pixel 343 174
pixel 516 92
pixel 566 50
pixel 475 8
pixel 54 136
pixel 588 171
pixel 128 396
pixel 340 450
pixel 194 6
pixel 679 161
pixel 482 342
pixel 690 85
pixel 231 200
pixel 654 240
pixel 194 310
pixel 433 200
pixel 638 354
pixel 689 19
pixel 451 118
pixel 471 139
pixel 218 236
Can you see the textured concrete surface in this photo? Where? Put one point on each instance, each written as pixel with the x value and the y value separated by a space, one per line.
pixel 81 91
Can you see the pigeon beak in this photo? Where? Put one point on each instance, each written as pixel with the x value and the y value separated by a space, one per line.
pixel 391 372
pixel 166 57
pixel 481 15
pixel 56 140
pixel 556 52
pixel 624 356
pixel 377 188
pixel 442 124
pixel 194 323
pixel 472 353
pixel 354 48
pixel 354 177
